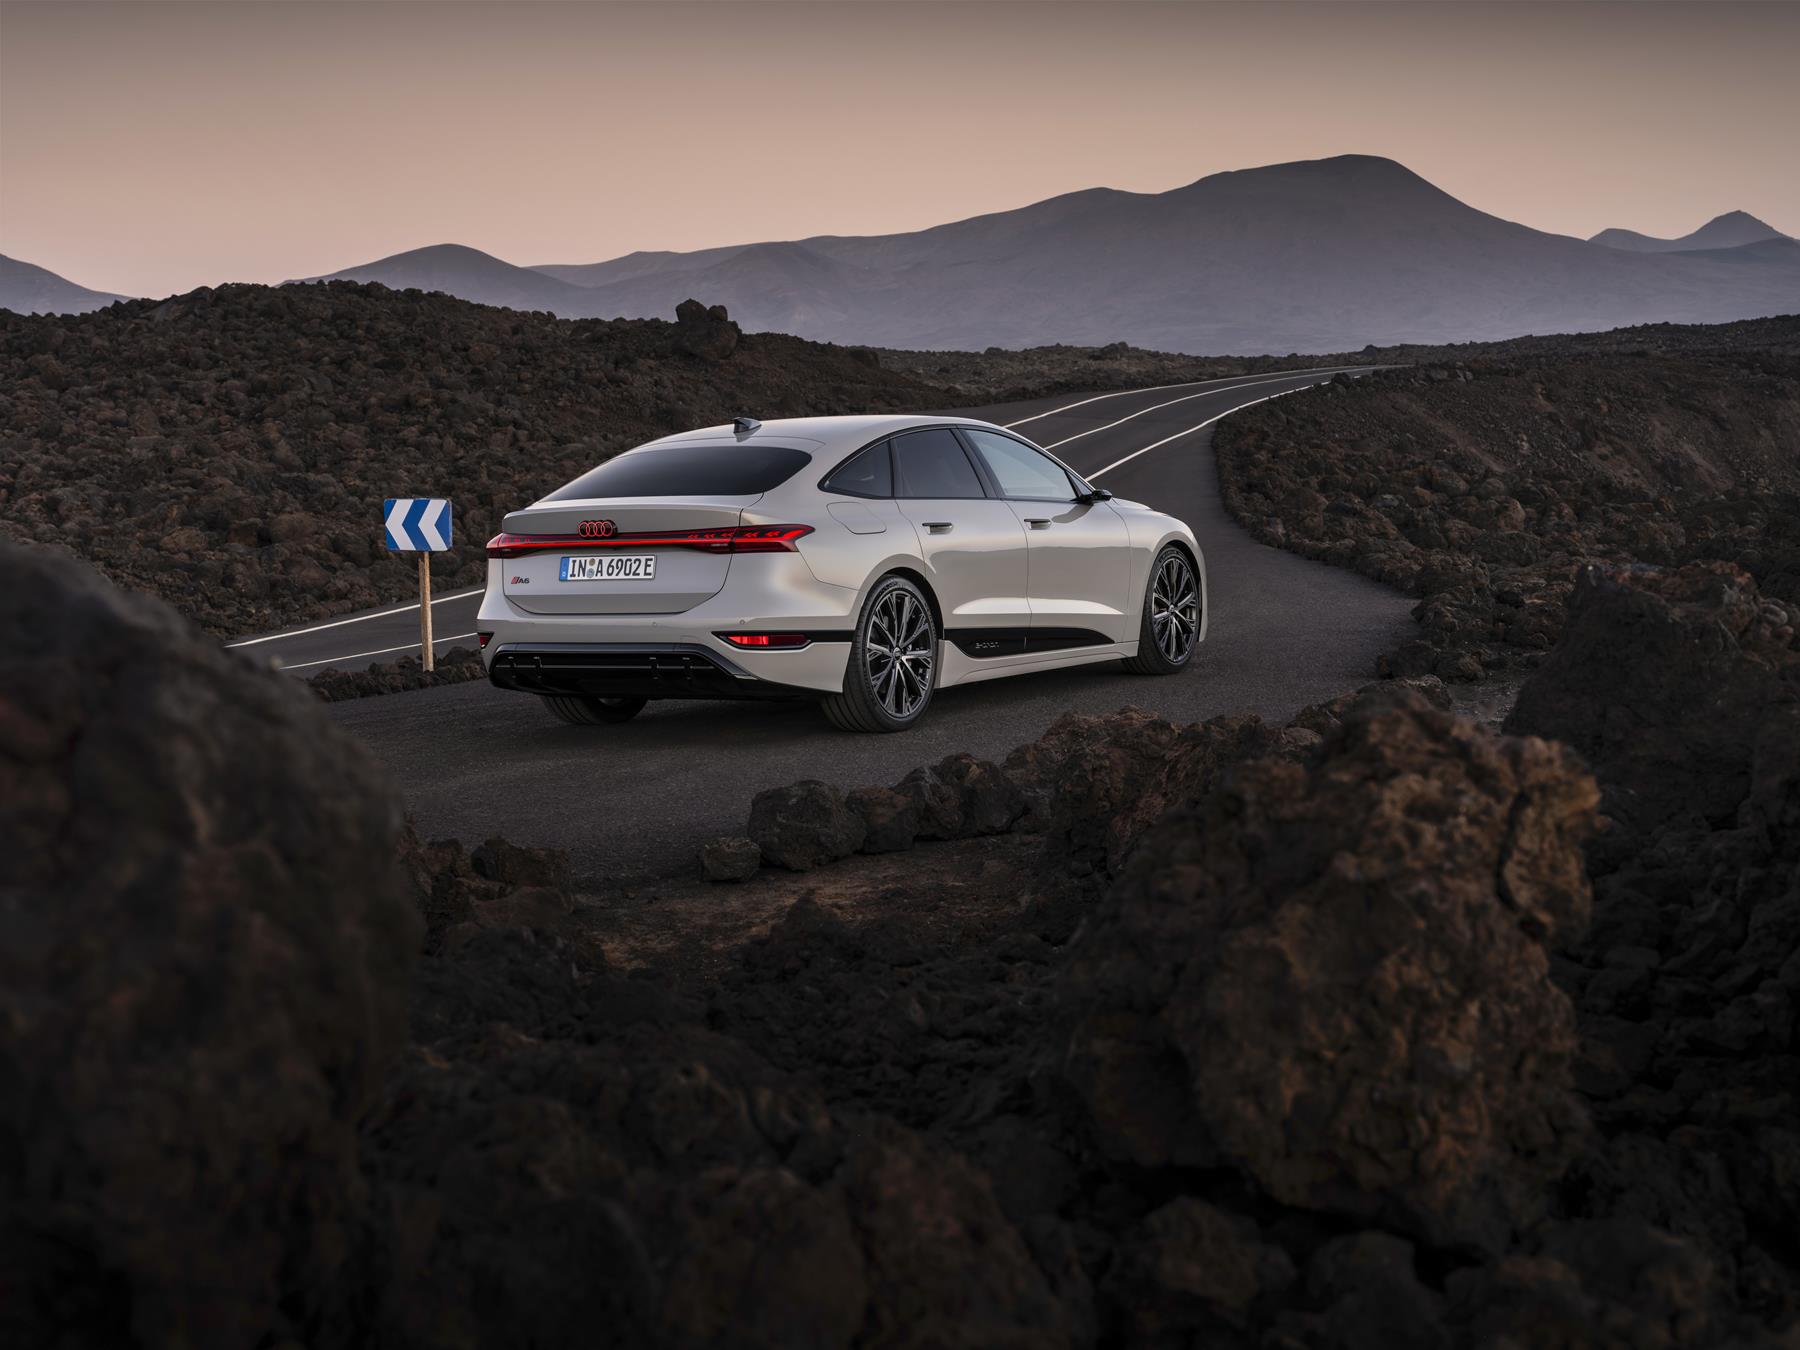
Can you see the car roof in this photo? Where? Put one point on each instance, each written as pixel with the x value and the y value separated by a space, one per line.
pixel 825 433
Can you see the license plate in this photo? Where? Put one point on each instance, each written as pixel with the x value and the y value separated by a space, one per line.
pixel 609 567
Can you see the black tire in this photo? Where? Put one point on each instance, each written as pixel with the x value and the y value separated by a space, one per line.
pixel 593 712
pixel 874 699
pixel 1169 629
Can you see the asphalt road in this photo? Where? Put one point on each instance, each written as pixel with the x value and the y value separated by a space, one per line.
pixel 637 800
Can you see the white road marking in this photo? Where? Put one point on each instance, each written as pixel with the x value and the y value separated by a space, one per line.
pixel 1158 388
pixel 1158 407
pixel 380 651
pixel 436 600
pixel 1199 426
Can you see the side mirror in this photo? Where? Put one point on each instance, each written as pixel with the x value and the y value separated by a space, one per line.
pixel 1095 495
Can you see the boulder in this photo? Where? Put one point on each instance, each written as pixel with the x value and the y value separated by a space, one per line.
pixel 205 948
pixel 890 820
pixel 1195 1271
pixel 804 825
pixel 1669 683
pixel 1333 977
pixel 1098 782
pixel 937 807
pixel 990 803
pixel 707 333
pixel 730 858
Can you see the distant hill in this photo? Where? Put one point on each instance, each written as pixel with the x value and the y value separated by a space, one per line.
pixel 1320 255
pixel 470 274
pixel 1731 230
pixel 26 289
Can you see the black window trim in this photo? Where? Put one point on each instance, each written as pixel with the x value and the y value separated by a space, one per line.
pixel 851 458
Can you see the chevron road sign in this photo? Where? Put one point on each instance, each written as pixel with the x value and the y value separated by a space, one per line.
pixel 417 524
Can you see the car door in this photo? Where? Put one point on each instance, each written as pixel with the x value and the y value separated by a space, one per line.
pixel 1079 553
pixel 974 546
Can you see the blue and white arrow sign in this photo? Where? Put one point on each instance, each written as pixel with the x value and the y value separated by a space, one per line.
pixel 417 524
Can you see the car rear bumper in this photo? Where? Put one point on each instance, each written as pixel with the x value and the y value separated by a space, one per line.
pixel 673 655
pixel 629 670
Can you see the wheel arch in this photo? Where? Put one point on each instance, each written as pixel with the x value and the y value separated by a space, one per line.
pixel 917 578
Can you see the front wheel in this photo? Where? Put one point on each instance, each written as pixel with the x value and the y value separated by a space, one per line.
pixel 593 712
pixel 1170 627
pixel 893 662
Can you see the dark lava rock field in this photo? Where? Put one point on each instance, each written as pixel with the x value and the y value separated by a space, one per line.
pixel 229 450
pixel 1484 487
pixel 1378 1029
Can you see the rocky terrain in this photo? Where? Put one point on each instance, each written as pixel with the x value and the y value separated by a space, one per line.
pixel 455 666
pixel 1376 1029
pixel 229 450
pixel 1483 486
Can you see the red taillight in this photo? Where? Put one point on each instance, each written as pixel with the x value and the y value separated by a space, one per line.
pixel 484 639
pixel 732 539
pixel 788 641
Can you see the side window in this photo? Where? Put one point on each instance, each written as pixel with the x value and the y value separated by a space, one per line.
pixel 932 464
pixel 1019 469
pixel 870 474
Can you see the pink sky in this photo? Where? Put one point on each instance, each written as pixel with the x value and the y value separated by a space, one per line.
pixel 148 148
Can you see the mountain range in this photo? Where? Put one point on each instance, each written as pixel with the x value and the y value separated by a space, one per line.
pixel 27 289
pixel 1734 229
pixel 1313 256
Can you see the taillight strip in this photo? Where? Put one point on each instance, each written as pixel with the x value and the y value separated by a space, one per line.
pixel 732 539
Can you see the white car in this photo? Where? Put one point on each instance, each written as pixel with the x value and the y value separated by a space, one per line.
pixel 863 561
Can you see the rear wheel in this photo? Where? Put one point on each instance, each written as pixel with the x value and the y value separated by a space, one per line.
pixel 593 712
pixel 893 662
pixel 1171 622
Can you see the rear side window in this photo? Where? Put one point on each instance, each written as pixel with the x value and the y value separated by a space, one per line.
pixel 932 464
pixel 870 474
pixel 1020 469
pixel 722 470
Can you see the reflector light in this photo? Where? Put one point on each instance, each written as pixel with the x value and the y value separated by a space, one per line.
pixel 767 640
pixel 730 539
pixel 484 639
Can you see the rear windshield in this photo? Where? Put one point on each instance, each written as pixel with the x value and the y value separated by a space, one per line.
pixel 721 470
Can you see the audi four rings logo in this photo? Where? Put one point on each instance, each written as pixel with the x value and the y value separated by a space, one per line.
pixel 598 529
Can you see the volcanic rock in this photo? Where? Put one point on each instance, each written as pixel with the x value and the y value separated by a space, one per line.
pixel 730 858
pixel 707 333
pixel 204 951
pixel 1410 1066
pixel 803 825
pixel 1483 488
pixel 990 802
pixel 1682 688
pixel 456 666
pixel 1098 782
pixel 1675 685
pixel 890 820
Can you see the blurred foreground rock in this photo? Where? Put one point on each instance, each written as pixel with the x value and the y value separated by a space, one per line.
pixel 204 951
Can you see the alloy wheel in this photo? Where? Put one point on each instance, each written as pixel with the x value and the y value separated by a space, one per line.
pixel 898 652
pixel 1174 609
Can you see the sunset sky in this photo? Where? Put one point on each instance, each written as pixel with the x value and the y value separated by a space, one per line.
pixel 148 148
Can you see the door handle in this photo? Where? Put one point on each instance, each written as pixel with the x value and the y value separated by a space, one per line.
pixel 939 526
pixel 1038 522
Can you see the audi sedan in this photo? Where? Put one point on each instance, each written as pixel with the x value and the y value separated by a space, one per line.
pixel 865 562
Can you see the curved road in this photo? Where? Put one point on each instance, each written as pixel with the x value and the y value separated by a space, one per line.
pixel 638 800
